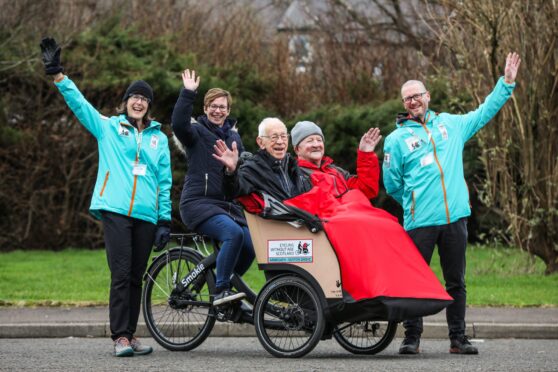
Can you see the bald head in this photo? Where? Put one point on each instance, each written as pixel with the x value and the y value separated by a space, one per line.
pixel 413 83
pixel 415 98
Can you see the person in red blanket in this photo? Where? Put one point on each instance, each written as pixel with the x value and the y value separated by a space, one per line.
pixel 308 143
pixel 380 266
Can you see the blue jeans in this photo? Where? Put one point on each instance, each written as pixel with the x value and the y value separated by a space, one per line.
pixel 236 253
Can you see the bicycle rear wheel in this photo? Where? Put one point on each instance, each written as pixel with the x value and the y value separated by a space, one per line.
pixel 366 337
pixel 179 320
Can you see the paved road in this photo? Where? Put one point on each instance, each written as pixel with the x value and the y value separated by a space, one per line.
pixel 245 353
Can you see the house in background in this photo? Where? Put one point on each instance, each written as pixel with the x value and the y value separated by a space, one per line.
pixel 299 23
pixel 307 24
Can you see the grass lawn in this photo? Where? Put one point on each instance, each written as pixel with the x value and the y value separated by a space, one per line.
pixel 495 277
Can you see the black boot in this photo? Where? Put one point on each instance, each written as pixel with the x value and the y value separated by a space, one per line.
pixel 410 345
pixel 462 345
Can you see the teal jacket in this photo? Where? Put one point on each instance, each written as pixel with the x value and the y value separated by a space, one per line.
pixel 423 162
pixel 144 195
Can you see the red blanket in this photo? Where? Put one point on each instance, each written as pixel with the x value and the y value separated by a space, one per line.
pixel 377 257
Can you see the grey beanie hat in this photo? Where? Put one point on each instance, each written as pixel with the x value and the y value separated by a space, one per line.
pixel 303 129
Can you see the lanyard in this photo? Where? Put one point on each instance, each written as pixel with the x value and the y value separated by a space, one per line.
pixel 427 131
pixel 138 136
pixel 415 135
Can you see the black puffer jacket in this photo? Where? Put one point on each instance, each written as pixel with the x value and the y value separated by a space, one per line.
pixel 202 194
pixel 281 179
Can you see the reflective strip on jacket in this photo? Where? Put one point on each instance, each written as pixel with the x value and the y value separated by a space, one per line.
pixel 117 189
pixel 423 163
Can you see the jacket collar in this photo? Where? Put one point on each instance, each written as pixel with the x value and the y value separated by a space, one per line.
pixel 228 125
pixel 272 162
pixel 404 118
pixel 326 161
pixel 128 120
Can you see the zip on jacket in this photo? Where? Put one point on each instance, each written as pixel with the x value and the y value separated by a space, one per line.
pixel 104 183
pixel 413 205
pixel 441 174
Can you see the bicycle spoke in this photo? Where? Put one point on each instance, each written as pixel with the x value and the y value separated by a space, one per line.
pixel 178 320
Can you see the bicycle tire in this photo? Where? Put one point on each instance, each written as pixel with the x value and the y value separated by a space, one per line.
pixel 301 321
pixel 178 327
pixel 365 337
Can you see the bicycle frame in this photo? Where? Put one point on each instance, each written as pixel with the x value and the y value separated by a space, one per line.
pixel 208 263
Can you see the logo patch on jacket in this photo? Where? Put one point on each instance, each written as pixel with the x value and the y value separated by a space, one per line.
pixel 387 160
pixel 413 143
pixel 443 131
pixel 123 131
pixel 154 141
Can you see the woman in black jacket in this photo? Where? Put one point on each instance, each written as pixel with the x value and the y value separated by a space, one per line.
pixel 203 206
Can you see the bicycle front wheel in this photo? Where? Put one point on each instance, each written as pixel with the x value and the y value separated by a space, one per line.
pixel 179 319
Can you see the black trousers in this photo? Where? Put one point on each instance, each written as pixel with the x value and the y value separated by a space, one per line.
pixel 452 242
pixel 128 244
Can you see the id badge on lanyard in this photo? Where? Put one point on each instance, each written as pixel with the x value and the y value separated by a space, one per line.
pixel 138 169
pixel 429 157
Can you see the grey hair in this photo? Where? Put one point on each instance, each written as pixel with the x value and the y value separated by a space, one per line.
pixel 265 123
pixel 413 82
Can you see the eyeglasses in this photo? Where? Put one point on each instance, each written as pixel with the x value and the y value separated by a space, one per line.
pixel 415 97
pixel 218 107
pixel 275 137
pixel 139 97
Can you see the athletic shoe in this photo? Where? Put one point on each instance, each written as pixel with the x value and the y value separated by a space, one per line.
pixel 227 296
pixel 122 347
pixel 140 349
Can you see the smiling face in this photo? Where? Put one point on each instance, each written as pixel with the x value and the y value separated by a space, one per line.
pixel 136 107
pixel 217 111
pixel 311 149
pixel 276 139
pixel 415 98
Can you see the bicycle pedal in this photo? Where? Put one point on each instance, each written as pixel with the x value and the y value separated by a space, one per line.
pixel 228 312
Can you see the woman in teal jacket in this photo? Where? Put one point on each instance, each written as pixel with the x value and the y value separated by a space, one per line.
pixel 131 195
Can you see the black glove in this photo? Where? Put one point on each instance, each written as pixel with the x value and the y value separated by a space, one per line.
pixel 162 236
pixel 51 56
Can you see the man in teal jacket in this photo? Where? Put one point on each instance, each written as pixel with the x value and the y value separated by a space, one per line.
pixel 423 171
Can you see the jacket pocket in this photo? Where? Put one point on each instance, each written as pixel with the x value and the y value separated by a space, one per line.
pixel 104 183
pixel 413 205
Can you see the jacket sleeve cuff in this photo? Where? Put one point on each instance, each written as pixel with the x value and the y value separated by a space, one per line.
pixel 166 223
pixel 503 80
pixel 188 93
pixel 62 81
pixel 366 155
